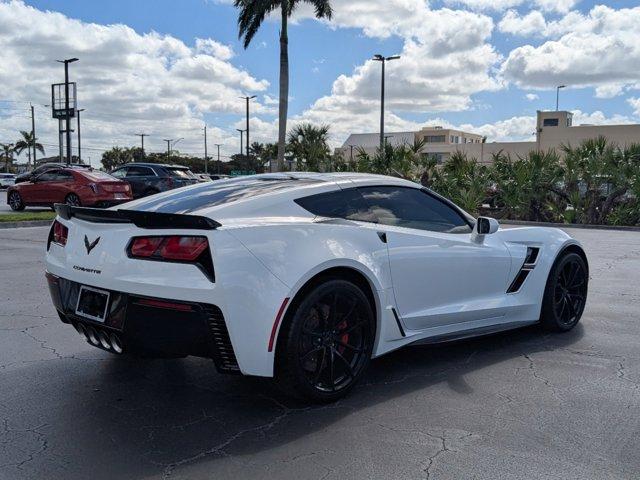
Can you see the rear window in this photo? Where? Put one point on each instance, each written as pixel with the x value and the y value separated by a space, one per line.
pixel 221 192
pixel 98 175
pixel 179 172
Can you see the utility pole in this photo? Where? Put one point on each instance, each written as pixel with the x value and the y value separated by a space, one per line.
pixel 33 137
pixel 206 158
pixel 79 144
pixel 247 130
pixel 383 60
pixel 241 141
pixel 142 135
pixel 351 156
pixel 66 105
pixel 218 145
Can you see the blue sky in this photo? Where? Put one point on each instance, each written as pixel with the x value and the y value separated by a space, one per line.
pixel 481 80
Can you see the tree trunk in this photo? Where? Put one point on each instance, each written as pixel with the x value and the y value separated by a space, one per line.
pixel 284 86
pixel 608 203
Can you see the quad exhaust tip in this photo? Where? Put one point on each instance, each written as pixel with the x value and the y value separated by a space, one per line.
pixel 116 344
pixel 93 336
pixel 100 338
pixel 104 339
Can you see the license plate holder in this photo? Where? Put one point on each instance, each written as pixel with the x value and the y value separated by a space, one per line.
pixel 92 303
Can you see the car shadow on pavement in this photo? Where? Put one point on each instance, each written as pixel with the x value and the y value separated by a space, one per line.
pixel 137 418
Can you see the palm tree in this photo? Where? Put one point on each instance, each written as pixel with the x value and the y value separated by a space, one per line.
pixel 308 144
pixel 7 154
pixel 252 14
pixel 27 142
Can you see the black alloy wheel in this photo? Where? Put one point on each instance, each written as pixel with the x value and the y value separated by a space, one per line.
pixel 328 342
pixel 15 201
pixel 72 200
pixel 565 293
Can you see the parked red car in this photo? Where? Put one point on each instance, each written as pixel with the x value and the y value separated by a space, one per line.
pixel 70 185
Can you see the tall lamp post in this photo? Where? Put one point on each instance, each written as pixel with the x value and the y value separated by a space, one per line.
pixel 558 88
pixel 218 145
pixel 247 129
pixel 241 141
pixel 383 60
pixel 66 104
pixel 142 135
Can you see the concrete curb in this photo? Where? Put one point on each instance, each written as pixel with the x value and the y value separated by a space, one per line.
pixel 570 225
pixel 31 223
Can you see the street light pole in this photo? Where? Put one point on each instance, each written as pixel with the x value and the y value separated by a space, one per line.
pixel 33 136
pixel 168 149
pixel 383 60
pixel 66 104
pixel 241 141
pixel 558 95
pixel 142 135
pixel 218 145
pixel 206 158
pixel 247 129
pixel 79 138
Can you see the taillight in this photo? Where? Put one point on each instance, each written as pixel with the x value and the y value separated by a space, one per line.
pixel 174 248
pixel 60 233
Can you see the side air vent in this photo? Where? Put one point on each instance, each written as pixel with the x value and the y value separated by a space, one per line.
pixel 528 265
pixel 223 355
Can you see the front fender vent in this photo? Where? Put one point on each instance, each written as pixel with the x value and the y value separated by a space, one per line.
pixel 528 265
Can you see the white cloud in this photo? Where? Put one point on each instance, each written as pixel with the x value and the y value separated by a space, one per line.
pixel 635 104
pixel 532 23
pixel 609 90
pixel 601 49
pixel 446 58
pixel 560 6
pixel 531 97
pixel 127 81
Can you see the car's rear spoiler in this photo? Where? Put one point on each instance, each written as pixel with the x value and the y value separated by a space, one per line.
pixel 151 220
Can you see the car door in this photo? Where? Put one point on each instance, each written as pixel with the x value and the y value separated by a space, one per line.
pixel 37 191
pixel 58 187
pixel 140 178
pixel 440 275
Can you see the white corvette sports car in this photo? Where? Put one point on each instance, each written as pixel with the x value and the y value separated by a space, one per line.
pixel 304 277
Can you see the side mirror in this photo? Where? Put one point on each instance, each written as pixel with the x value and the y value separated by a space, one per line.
pixel 485 226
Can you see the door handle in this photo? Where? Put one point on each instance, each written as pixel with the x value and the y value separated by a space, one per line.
pixel 382 236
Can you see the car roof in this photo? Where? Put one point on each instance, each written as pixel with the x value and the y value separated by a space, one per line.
pixel 263 195
pixel 151 164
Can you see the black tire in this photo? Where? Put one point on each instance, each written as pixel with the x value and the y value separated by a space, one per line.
pixel 326 342
pixel 565 294
pixel 73 200
pixel 15 201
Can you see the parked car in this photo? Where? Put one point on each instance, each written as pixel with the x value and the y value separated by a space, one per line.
pixel 151 178
pixel 6 180
pixel 70 185
pixel 304 276
pixel 28 176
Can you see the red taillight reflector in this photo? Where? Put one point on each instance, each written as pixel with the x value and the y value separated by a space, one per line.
pixel 183 248
pixel 60 233
pixel 183 307
pixel 173 248
pixel 274 329
pixel 145 246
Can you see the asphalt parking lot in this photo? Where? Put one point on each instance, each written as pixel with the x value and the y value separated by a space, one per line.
pixel 520 405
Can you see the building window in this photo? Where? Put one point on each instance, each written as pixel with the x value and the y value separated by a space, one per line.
pixel 550 122
pixel 435 138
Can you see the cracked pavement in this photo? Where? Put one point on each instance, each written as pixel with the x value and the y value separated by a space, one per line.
pixel 524 404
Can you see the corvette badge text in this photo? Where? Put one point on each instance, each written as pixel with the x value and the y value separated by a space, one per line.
pixel 87 270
